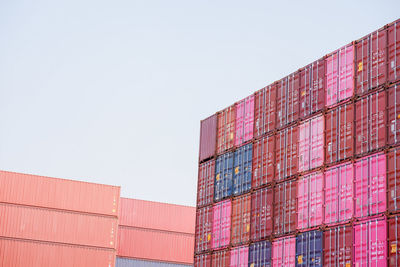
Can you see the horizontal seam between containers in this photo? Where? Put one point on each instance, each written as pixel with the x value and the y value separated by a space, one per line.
pixel 155 230
pixel 155 260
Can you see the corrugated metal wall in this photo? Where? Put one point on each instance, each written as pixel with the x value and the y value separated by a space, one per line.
pixel 124 262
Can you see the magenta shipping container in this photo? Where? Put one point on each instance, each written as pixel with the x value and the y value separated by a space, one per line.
pixel 208 137
pixel 240 256
pixel 261 213
pixel 393 180
pixel 221 234
pixel 393 113
pixel 287 100
pixel 244 120
pixel 263 161
pixel 205 186
pixel 284 252
pixel 204 227
pixel 311 143
pixel 338 246
pixel 370 185
pixel 287 152
pixel 394 51
pixel 339 204
pixel 285 207
pixel 265 110
pixel 310 200
pixel 370 243
pixel 339 75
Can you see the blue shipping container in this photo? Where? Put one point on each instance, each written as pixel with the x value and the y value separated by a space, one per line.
pixel 124 262
pixel 260 254
pixel 309 247
pixel 223 176
pixel 242 169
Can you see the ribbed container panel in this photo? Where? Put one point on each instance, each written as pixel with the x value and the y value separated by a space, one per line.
pixel 126 262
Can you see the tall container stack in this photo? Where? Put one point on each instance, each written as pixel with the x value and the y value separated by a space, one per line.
pixel 306 171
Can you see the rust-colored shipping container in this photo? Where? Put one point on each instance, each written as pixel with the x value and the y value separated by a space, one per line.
pixel 370 122
pixel 208 137
pixel 204 225
pixel 339 133
pixel 240 230
pixel 27 189
pixel 393 113
pixel 205 186
pixel 221 258
pixel 394 51
pixel 265 110
pixel 285 207
pixel 393 180
pixel 226 129
pixel 312 88
pixel 338 246
pixel 287 153
pixel 261 213
pixel 263 161
pixel 202 260
pixel 287 100
pixel 394 240
pixel 23 253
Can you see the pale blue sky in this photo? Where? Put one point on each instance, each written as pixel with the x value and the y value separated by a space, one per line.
pixel 113 91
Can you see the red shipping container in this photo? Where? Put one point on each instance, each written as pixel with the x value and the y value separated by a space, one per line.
pixel 265 110
pixel 312 88
pixel 205 186
pixel 221 258
pixel 241 208
pixel 287 152
pixel 287 100
pixel 204 224
pixel 338 246
pixel 263 161
pixel 371 63
pixel 208 137
pixel 244 120
pixel 261 213
pixel 285 207
pixel 370 122
pixel 202 260
pixel 24 222
pixel 394 240
pixel 284 252
pixel 393 180
pixel 393 113
pixel 26 189
pixel 394 51
pixel 339 133
pixel 226 129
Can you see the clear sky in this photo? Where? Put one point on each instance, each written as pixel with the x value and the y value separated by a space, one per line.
pixel 113 91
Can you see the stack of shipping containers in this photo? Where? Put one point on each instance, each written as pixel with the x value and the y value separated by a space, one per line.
pixel 304 171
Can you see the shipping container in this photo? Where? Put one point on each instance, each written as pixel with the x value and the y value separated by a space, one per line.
pixel 339 197
pixel 221 234
pixel 371 65
pixel 284 252
pixel 23 253
pixel 393 180
pixel 205 186
pixel 285 207
pixel 370 185
pixel 260 254
pixel 204 225
pixel 240 256
pixel 394 51
pixel 370 122
pixel 393 113
pixel 244 120
pixel 155 245
pixel 27 189
pixel 240 229
pixel 339 133
pixel 309 249
pixel 242 165
pixel 208 137
pixel 126 262
pixel 221 258
pixel 261 213
pixel 312 88
pixel 394 240
pixel 263 161
pixel 339 75
pixel 287 152
pixel 223 176
pixel 338 246
pixel 287 100
pixel 311 143
pixel 310 200
pixel 370 243
pixel 202 260
pixel 226 129
pixel 265 110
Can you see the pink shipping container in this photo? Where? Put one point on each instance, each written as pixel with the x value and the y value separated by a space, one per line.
pixel 202 260
pixel 338 246
pixel 261 213
pixel 340 75
pixel 370 243
pixel 26 189
pixel 287 152
pixel 240 256
pixel 394 51
pixel 285 207
pixel 311 143
pixel 312 88
pixel 339 204
pixel 226 129
pixel 284 252
pixel 393 113
pixel 263 161
pixel 221 224
pixel 393 180
pixel 310 203
pixel 244 120
pixel 240 229
pixel 208 137
pixel 265 110
pixel 204 224
pixel 205 186
pixel 370 122
pixel 370 185
pixel 394 240
pixel 287 100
